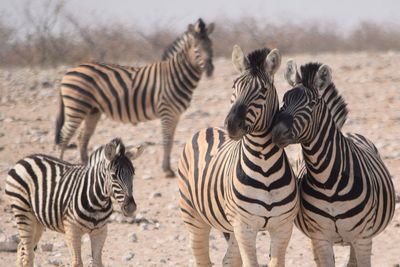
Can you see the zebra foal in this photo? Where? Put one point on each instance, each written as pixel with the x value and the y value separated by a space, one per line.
pixel 47 193
pixel 347 195
pixel 238 181
pixel 162 90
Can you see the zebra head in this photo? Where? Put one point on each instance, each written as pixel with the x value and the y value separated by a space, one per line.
pixel 120 172
pixel 201 45
pixel 294 122
pixel 254 99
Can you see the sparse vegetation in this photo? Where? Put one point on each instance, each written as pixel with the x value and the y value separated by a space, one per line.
pixel 57 37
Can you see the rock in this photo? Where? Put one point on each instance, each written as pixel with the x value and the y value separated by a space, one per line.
pixel 47 247
pixel 155 195
pixel 55 262
pixel 147 177
pixel 144 226
pixel 129 256
pixel 8 246
pixel 133 237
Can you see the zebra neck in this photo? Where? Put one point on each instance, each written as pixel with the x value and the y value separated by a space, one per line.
pixel 182 68
pixel 326 154
pixel 97 185
pixel 259 155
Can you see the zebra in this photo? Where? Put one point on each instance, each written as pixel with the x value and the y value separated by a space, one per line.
pixel 48 193
pixel 135 94
pixel 347 195
pixel 237 181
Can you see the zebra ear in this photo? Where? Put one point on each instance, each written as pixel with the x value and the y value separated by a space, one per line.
pixel 191 29
pixel 110 151
pixel 135 152
pixel 239 60
pixel 273 61
pixel 210 28
pixel 323 78
pixel 291 74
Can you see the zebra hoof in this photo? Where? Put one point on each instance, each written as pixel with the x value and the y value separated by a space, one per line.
pixel 169 173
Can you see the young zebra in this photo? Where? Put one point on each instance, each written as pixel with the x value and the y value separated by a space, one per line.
pixel 347 195
pixel 46 192
pixel 243 184
pixel 130 95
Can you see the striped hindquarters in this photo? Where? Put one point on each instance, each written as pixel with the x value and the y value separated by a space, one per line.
pixel 201 184
pixel 33 186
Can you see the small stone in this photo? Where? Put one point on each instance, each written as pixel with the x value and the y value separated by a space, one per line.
pixel 15 238
pixel 129 256
pixel 47 247
pixel 55 262
pixel 144 226
pixel 155 195
pixel 147 177
pixel 133 237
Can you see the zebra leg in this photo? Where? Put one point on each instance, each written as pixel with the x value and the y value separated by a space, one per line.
pixel 27 226
pixel 362 251
pixel 87 130
pixel 67 131
pixel 232 255
pixel 246 237
pixel 168 131
pixel 279 241
pixel 199 233
pixel 97 239
pixel 352 258
pixel 73 237
pixel 323 253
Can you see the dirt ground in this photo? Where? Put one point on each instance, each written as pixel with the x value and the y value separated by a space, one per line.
pixel 369 82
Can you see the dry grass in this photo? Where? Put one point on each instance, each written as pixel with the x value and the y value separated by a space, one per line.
pixel 46 45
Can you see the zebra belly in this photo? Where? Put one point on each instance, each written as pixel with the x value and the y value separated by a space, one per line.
pixel 331 228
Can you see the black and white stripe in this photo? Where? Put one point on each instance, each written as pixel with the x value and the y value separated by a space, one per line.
pixel 48 193
pixel 127 94
pixel 347 194
pixel 238 181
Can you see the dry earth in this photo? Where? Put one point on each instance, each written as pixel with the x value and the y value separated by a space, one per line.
pixel 370 83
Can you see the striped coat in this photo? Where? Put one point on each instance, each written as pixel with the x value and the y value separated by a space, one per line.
pixel 47 193
pixel 237 181
pixel 347 194
pixel 129 95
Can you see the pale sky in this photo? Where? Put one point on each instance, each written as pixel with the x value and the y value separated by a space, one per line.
pixel 178 13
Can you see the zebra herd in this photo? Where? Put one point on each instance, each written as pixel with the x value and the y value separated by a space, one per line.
pixel 237 180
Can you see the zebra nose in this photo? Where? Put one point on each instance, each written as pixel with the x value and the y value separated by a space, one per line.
pixel 235 122
pixel 129 206
pixel 281 134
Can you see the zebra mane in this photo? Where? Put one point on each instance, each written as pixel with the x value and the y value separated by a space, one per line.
pixel 98 153
pixel 257 59
pixel 176 46
pixel 181 41
pixel 331 96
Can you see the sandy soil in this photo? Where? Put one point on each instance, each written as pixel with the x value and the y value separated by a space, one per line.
pixel 370 83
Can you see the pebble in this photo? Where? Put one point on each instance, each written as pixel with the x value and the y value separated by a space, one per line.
pixel 55 262
pixel 133 237
pixel 129 256
pixel 155 195
pixel 47 247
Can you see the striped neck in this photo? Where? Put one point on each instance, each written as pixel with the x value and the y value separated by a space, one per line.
pixel 190 71
pixel 326 152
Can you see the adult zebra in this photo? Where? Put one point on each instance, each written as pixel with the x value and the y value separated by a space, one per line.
pixel 242 184
pixel 46 192
pixel 347 195
pixel 130 95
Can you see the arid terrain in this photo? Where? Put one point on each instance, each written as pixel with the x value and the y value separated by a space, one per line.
pixel 369 82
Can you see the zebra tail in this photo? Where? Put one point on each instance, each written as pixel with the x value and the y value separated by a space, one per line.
pixel 59 122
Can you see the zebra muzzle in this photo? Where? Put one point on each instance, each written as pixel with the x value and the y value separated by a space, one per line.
pixel 282 135
pixel 129 207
